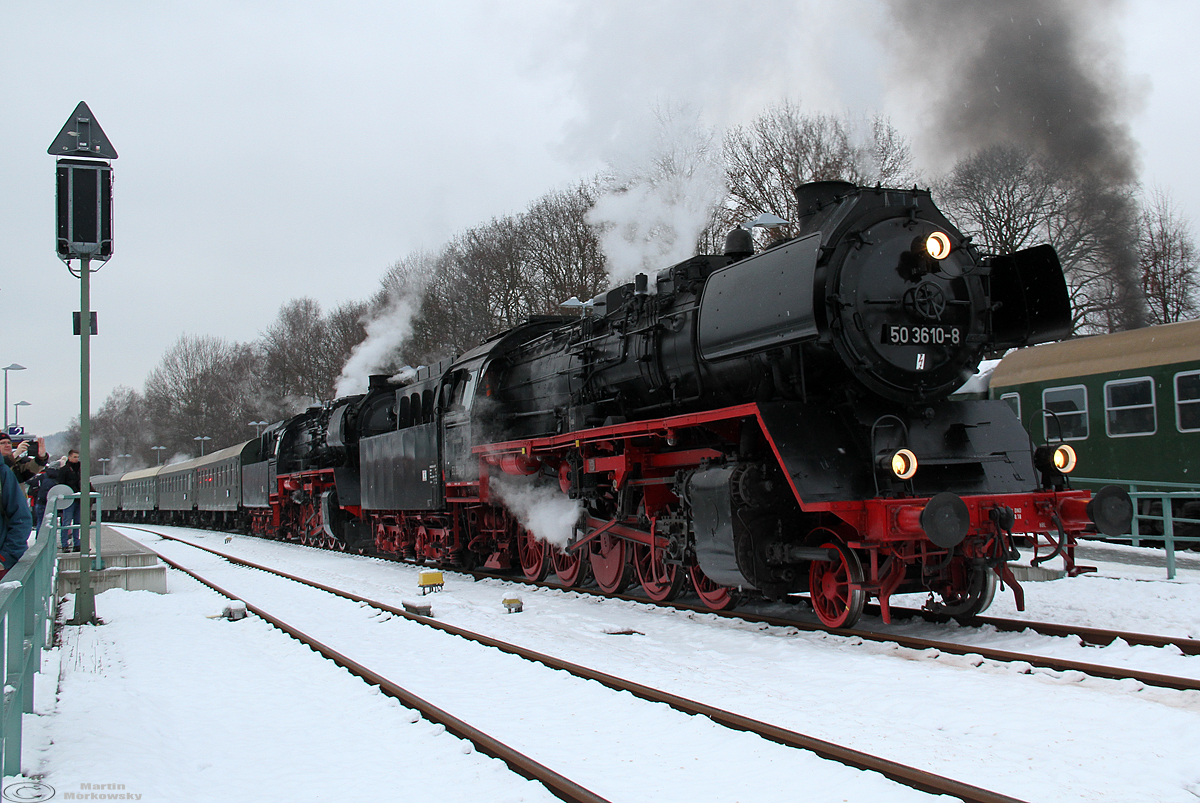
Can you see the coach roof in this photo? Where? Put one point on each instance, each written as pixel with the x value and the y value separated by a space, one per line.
pixel 1101 354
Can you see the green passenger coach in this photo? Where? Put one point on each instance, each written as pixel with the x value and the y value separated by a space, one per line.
pixel 1128 403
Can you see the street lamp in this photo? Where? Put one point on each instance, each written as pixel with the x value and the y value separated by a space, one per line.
pixel 104 461
pixel 158 450
pixel 202 439
pixel 17 411
pixel 13 367
pixel 258 425
pixel 124 456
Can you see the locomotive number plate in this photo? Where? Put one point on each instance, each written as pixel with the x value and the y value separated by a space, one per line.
pixel 921 335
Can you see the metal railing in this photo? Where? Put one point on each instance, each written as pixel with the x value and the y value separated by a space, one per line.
pixel 93 531
pixel 1165 523
pixel 26 619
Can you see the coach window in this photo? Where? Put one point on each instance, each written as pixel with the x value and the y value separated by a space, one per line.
pixel 1129 407
pixel 1070 404
pixel 1187 401
pixel 1014 401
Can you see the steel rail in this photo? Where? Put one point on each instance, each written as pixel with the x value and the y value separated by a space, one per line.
pixel 1040 661
pixel 559 785
pixel 1091 635
pixel 909 776
pixel 916 643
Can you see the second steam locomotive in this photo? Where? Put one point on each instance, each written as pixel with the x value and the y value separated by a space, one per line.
pixel 757 424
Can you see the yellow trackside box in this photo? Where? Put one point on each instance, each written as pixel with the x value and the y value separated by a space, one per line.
pixel 430 581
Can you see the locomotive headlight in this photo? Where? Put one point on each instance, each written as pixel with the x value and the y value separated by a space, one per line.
pixel 1065 459
pixel 903 464
pixel 1054 463
pixel 937 245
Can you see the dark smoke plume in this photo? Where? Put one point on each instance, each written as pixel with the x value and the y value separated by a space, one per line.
pixel 1035 74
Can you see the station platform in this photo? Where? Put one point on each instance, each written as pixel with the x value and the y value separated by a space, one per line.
pixel 127 565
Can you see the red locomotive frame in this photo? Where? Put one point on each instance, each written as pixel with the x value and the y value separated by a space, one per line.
pixel 886 532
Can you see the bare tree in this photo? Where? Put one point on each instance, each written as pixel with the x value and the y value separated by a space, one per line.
pixel 304 351
pixel 120 427
pixel 1008 199
pixel 496 275
pixel 453 316
pixel 1168 261
pixel 492 259
pixel 203 386
pixel 1002 197
pixel 785 147
pixel 294 348
pixel 345 329
pixel 562 251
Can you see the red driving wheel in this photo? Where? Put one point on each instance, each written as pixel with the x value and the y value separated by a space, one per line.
pixel 661 581
pixel 609 565
pixel 836 587
pixel 532 554
pixel 715 596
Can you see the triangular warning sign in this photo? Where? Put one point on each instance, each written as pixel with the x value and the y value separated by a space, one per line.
pixel 82 136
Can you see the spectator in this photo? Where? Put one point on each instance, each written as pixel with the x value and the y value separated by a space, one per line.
pixel 23 464
pixel 68 474
pixel 39 488
pixel 14 514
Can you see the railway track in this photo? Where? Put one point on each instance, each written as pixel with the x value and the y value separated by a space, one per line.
pixel 1087 635
pixel 557 783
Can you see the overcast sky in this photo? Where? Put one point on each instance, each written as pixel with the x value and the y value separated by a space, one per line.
pixel 275 150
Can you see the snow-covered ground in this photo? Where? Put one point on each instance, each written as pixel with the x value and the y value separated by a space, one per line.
pixel 176 706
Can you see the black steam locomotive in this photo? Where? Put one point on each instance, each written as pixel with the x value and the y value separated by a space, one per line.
pixel 760 424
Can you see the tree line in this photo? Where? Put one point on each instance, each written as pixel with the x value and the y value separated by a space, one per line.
pixel 496 274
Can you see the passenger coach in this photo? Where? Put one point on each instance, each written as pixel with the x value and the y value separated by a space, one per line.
pixel 1128 403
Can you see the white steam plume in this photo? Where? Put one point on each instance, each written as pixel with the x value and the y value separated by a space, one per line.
pixel 540 506
pixel 387 332
pixel 661 194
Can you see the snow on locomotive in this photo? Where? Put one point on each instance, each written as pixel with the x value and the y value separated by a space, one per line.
pixel 765 424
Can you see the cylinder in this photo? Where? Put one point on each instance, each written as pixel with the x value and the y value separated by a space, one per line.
pixel 519 464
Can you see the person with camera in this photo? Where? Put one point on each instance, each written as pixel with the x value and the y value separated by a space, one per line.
pixel 67 472
pixel 24 465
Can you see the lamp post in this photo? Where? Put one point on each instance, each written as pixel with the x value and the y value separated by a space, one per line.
pixel 104 461
pixel 124 456
pixel 13 367
pixel 258 425
pixel 158 450
pixel 17 411
pixel 202 439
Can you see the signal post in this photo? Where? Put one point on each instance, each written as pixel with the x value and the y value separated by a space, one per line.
pixel 84 231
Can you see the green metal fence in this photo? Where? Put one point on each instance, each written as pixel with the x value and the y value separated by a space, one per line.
pixel 1158 528
pixel 97 562
pixel 26 618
